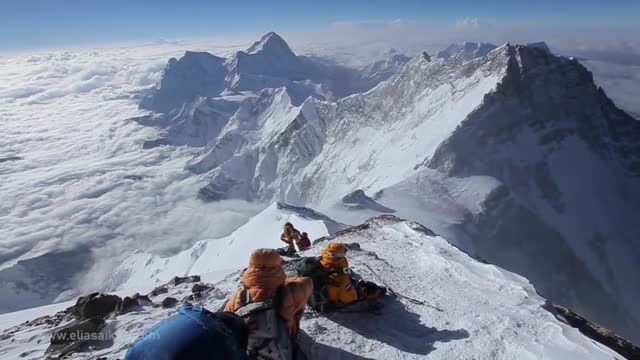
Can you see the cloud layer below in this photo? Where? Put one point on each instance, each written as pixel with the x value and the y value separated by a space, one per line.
pixel 72 169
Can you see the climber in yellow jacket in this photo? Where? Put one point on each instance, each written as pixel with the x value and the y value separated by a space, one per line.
pixel 340 286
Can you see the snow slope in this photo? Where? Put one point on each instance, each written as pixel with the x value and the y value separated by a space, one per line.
pixel 487 312
pixel 213 259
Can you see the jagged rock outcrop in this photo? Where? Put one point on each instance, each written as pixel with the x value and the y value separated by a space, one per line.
pixel 598 333
pixel 359 200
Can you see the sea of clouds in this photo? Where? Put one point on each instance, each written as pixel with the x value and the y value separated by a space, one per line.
pixel 73 174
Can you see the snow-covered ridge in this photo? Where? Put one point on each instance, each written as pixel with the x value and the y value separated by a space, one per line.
pixel 213 259
pixel 451 307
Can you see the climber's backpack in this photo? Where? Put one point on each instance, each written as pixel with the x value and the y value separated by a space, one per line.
pixel 268 336
pixel 288 251
pixel 312 268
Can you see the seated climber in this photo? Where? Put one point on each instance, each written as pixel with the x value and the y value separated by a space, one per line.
pixel 335 286
pixel 303 242
pixel 290 235
pixel 193 333
pixel 271 304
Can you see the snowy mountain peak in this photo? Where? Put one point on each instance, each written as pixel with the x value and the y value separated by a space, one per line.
pixel 194 74
pixel 271 44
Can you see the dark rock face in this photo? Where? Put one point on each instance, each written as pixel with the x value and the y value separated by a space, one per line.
pixel 50 320
pixel 169 302
pixel 159 290
pixel 133 303
pixel 96 305
pixel 199 287
pixel 74 336
pixel 359 200
pixel 181 280
pixel 597 332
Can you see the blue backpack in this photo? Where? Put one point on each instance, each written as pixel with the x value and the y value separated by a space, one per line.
pixel 193 333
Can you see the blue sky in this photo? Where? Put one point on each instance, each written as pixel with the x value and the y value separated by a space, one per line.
pixel 28 24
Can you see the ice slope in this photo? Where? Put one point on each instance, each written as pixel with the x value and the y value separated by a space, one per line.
pixel 487 312
pixel 212 259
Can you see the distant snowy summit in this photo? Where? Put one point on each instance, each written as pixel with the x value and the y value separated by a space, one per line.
pixel 268 63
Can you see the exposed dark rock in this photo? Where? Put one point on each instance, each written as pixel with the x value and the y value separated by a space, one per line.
pixel 217 188
pixel 597 332
pixel 133 303
pixel 74 336
pixel 50 320
pixel 177 280
pixel 358 200
pixel 95 305
pixel 199 287
pixel 169 302
pixel 353 246
pixel 162 289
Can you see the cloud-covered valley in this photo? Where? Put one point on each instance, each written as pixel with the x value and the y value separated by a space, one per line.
pixel 73 174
